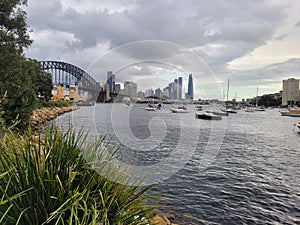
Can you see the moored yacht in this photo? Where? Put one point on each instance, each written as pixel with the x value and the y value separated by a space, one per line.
pixel 207 116
pixel 218 112
pixel 179 110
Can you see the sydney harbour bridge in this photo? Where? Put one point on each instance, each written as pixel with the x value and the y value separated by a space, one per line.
pixel 66 74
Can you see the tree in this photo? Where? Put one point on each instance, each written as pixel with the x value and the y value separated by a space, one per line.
pixel 41 80
pixel 13 33
pixel 14 38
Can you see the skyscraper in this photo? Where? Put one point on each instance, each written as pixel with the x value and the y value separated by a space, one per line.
pixel 190 88
pixel 111 81
pixel 175 93
pixel 179 87
pixel 171 90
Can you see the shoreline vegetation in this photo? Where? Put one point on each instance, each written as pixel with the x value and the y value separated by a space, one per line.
pixel 48 180
pixel 44 179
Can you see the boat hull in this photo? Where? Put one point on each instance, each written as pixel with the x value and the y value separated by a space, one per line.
pixel 218 113
pixel 174 110
pixel 208 116
pixel 290 114
pixel 150 109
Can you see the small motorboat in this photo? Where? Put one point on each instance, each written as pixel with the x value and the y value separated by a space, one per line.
pixel 230 110
pixel 290 113
pixel 208 116
pixel 260 109
pixel 182 107
pixel 218 113
pixel 198 107
pixel 249 110
pixel 150 107
pixel 178 110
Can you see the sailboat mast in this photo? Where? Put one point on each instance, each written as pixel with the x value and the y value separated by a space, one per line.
pixel 256 96
pixel 227 88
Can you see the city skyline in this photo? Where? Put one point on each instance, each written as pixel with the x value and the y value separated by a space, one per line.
pixel 173 90
pixel 258 46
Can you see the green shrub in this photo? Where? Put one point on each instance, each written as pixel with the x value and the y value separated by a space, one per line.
pixel 48 181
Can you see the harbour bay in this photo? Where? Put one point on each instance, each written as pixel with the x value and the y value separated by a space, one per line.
pixel 253 179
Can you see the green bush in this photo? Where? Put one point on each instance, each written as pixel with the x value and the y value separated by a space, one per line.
pixel 46 180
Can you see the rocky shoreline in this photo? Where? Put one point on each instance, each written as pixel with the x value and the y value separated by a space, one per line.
pixel 44 115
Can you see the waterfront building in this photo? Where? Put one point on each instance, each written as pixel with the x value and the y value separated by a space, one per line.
pixel 111 81
pixel 106 88
pixel 118 88
pixel 149 92
pixel 290 91
pixel 158 92
pixel 190 88
pixel 130 88
pixel 141 94
pixel 166 92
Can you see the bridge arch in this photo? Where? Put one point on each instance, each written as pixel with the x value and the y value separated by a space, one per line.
pixel 82 78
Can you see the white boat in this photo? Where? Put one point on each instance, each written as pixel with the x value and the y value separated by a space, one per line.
pixel 207 116
pixel 284 113
pixel 230 110
pixel 249 110
pixel 291 112
pixel 198 107
pixel 178 110
pixel 260 109
pixel 218 113
pixel 150 107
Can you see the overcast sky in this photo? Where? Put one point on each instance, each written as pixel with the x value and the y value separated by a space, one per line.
pixel 252 42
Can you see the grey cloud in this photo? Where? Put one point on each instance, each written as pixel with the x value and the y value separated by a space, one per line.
pixel 217 31
pixel 183 23
pixel 274 73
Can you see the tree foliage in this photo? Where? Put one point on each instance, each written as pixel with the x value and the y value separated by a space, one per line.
pixel 13 32
pixel 21 78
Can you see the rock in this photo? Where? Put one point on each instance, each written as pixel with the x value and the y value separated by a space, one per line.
pixel 161 220
pixel 170 216
pixel 191 219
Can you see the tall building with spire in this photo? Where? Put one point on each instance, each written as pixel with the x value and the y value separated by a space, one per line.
pixel 190 88
pixel 175 92
pixel 179 87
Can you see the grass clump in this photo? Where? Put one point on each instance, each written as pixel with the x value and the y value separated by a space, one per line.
pixel 48 181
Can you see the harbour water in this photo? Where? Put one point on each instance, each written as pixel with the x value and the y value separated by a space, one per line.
pixel 252 178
